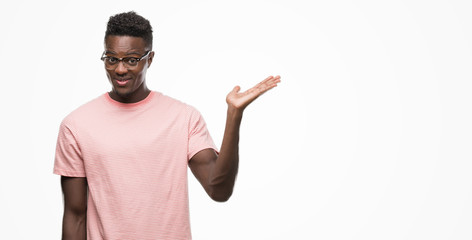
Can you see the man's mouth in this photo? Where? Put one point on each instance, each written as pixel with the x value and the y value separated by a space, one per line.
pixel 122 82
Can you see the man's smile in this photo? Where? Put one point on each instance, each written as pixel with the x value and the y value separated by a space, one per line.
pixel 122 82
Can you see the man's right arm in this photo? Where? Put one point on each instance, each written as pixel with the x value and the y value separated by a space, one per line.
pixel 74 225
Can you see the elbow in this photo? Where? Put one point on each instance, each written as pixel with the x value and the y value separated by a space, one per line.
pixel 220 188
pixel 77 210
pixel 220 195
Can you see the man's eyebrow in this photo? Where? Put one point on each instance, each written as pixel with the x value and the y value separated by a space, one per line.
pixel 133 53
pixel 128 53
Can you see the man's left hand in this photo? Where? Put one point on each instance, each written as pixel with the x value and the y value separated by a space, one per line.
pixel 240 100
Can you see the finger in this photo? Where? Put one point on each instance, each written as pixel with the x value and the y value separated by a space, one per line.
pixel 267 79
pixel 263 82
pixel 275 79
pixel 270 83
pixel 262 91
pixel 265 88
pixel 236 89
pixel 265 85
pixel 271 79
pixel 273 82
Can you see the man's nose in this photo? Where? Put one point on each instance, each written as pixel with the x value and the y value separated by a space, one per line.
pixel 121 68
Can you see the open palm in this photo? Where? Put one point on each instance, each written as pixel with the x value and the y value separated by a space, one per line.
pixel 240 100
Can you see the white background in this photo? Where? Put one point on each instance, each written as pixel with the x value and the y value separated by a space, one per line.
pixel 367 137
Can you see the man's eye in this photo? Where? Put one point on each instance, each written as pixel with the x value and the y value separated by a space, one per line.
pixel 132 61
pixel 112 59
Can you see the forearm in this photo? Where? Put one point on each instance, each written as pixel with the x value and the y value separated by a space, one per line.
pixel 219 182
pixel 225 169
pixel 74 226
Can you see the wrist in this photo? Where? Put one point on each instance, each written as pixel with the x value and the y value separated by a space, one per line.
pixel 234 113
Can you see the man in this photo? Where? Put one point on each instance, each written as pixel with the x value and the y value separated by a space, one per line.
pixel 123 156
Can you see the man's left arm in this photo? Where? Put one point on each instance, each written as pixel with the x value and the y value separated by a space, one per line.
pixel 217 173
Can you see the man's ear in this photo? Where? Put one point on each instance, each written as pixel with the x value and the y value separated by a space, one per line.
pixel 150 58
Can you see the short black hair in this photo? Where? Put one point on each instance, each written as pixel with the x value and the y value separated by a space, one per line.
pixel 130 24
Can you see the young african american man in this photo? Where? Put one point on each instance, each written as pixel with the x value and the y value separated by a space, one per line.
pixel 123 156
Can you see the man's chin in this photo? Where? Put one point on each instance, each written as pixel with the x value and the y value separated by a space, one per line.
pixel 122 93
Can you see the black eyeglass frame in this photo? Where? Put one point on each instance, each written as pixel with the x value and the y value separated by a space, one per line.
pixel 104 57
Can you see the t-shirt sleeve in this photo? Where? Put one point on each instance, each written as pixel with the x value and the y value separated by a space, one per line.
pixel 68 160
pixel 199 137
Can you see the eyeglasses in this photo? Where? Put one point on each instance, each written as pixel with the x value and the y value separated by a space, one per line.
pixel 129 62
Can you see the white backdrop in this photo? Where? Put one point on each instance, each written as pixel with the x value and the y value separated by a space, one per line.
pixel 367 137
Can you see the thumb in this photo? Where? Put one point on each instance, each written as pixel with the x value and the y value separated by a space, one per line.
pixel 236 89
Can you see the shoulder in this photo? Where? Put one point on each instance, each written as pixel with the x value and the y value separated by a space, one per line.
pixel 84 112
pixel 175 105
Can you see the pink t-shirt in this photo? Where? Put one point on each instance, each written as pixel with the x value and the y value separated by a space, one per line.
pixel 135 159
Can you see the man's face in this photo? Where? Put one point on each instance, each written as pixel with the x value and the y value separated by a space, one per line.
pixel 128 81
